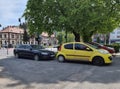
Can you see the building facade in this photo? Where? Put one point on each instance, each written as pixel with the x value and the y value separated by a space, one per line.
pixel 11 35
pixel 115 36
pixel 112 37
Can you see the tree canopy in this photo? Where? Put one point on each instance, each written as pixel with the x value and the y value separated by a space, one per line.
pixel 80 17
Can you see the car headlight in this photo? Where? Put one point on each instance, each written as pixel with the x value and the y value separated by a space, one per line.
pixel 44 53
pixel 103 51
pixel 110 48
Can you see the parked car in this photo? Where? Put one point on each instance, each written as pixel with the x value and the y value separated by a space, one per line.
pixel 35 52
pixel 100 46
pixel 53 48
pixel 83 52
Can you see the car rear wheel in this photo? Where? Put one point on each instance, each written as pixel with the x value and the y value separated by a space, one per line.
pixel 61 58
pixel 98 61
pixel 36 58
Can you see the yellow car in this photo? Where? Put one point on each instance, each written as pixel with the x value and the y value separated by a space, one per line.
pixel 83 52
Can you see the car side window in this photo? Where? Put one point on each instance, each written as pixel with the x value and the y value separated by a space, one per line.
pixel 68 46
pixel 28 47
pixel 80 47
pixel 21 46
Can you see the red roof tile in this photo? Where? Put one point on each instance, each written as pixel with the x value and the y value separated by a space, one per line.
pixel 12 29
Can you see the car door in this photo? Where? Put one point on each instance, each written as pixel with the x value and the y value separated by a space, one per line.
pixel 68 51
pixel 20 50
pixel 28 51
pixel 81 52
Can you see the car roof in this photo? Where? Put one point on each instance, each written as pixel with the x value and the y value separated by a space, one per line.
pixel 73 43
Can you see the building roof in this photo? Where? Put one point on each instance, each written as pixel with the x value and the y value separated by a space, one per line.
pixel 12 29
pixel 45 34
pixel 16 29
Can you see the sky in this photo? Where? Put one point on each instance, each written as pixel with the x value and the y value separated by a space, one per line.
pixel 10 11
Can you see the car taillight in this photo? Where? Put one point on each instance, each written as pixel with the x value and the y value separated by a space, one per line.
pixel 59 48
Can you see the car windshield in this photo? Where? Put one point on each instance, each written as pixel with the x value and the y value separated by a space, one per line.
pixel 37 47
pixel 96 47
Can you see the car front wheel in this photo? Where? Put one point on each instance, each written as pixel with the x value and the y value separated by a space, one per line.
pixel 98 61
pixel 61 58
pixel 16 55
pixel 36 58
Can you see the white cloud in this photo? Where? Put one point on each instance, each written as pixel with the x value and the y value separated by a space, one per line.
pixel 11 10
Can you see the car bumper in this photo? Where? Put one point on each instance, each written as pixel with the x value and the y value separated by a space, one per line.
pixel 108 59
pixel 47 57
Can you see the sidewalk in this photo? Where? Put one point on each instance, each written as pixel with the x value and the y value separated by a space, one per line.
pixel 117 54
pixel 4 53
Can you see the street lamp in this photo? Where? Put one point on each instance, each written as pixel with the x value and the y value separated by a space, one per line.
pixel 25 35
pixel 0 38
pixel 20 38
pixel 8 41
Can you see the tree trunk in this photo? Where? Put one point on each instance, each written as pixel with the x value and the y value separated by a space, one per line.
pixel 77 36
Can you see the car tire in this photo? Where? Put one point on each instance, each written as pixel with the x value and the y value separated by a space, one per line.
pixel 36 57
pixel 61 58
pixel 17 55
pixel 99 61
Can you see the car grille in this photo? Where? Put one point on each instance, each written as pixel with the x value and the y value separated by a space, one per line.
pixel 110 57
pixel 52 54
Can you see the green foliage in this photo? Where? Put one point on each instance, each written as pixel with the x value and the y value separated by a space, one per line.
pixel 61 37
pixel 85 17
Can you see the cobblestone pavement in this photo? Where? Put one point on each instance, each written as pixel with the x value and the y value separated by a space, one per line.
pixel 50 74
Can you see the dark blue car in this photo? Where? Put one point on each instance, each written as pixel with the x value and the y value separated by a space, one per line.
pixel 35 52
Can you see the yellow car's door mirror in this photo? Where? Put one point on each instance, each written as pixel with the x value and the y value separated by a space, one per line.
pixel 88 49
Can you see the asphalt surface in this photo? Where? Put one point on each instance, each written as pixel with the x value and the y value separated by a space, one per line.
pixel 50 74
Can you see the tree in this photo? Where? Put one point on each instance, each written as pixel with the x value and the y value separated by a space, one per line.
pixel 25 37
pixel 61 36
pixel 84 17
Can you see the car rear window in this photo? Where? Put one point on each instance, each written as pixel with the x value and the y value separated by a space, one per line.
pixel 20 46
pixel 68 46
pixel 37 47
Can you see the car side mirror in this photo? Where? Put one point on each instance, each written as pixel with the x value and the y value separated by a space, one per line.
pixel 88 49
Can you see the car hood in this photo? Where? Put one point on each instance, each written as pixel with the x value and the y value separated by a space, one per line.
pixel 103 51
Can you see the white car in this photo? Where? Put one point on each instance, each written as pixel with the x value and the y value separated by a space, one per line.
pixel 54 48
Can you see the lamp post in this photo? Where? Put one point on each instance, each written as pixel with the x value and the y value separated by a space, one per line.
pixel 19 20
pixel 20 38
pixel 8 41
pixel 0 38
pixel 25 35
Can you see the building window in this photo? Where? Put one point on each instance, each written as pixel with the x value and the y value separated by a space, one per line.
pixel 5 42
pixel 12 35
pixel 5 36
pixel 0 35
pixel 12 42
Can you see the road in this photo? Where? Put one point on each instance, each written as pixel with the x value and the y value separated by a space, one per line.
pixel 50 74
